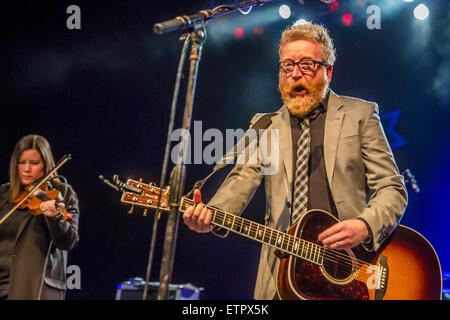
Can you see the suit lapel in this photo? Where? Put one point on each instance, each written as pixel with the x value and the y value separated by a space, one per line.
pixel 282 122
pixel 333 124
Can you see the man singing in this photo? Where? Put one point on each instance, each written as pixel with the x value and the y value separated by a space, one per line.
pixel 334 156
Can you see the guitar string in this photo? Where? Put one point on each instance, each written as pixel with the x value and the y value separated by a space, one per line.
pixel 273 238
pixel 316 249
pixel 330 257
pixel 336 255
pixel 330 261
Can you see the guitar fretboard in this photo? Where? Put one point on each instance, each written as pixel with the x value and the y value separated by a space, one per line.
pixel 292 245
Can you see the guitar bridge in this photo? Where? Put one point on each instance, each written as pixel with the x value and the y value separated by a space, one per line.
pixel 382 279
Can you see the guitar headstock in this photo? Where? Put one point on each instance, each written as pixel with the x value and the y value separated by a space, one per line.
pixel 138 193
pixel 145 195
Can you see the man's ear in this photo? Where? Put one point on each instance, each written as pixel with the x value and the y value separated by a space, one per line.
pixel 329 72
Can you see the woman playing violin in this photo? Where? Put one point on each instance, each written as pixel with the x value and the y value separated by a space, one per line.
pixel 33 248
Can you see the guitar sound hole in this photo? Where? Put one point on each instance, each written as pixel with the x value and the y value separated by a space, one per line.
pixel 338 265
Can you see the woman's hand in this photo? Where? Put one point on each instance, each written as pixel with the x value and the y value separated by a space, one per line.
pixel 48 208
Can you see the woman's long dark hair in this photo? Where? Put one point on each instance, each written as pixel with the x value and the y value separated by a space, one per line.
pixel 28 142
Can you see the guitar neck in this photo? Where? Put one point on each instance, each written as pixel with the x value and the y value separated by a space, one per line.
pixel 150 196
pixel 292 245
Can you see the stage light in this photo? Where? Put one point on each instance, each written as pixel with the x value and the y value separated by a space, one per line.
pixel 223 31
pixel 239 33
pixel 421 12
pixel 333 6
pixel 284 11
pixel 408 0
pixel 347 19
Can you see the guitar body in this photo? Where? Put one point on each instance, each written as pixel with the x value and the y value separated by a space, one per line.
pixel 410 267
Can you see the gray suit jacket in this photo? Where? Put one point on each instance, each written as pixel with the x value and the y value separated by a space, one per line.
pixel 362 175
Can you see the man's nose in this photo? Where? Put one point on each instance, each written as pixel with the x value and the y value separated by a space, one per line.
pixel 296 73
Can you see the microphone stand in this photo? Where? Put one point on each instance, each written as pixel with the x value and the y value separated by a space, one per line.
pixel 166 157
pixel 178 174
pixel 197 35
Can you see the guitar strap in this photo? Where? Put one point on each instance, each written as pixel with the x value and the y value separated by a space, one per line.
pixel 262 124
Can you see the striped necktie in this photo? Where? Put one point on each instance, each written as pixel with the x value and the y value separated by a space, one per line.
pixel 300 202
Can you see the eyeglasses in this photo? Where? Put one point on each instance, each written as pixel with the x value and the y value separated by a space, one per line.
pixel 305 65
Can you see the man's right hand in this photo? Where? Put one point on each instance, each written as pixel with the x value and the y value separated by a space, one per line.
pixel 198 218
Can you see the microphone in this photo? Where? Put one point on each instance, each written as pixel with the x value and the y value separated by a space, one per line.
pixel 181 22
pixel 412 180
pixel 185 21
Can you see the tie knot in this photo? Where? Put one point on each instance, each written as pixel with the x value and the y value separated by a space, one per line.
pixel 304 122
pixel 314 113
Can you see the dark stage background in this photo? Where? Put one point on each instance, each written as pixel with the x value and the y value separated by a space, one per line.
pixel 103 94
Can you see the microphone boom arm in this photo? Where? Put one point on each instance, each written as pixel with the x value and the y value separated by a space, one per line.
pixel 185 22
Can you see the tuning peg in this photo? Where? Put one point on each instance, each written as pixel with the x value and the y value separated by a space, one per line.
pixel 132 206
pixel 166 190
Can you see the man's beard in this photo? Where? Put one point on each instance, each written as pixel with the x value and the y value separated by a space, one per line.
pixel 297 105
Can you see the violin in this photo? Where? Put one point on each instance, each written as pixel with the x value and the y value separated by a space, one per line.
pixel 34 197
pixel 45 192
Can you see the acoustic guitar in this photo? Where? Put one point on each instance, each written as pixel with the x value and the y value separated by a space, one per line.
pixel 406 267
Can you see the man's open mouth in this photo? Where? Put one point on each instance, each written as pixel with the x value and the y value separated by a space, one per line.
pixel 299 90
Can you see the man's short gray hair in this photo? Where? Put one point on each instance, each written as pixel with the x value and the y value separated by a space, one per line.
pixel 303 30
